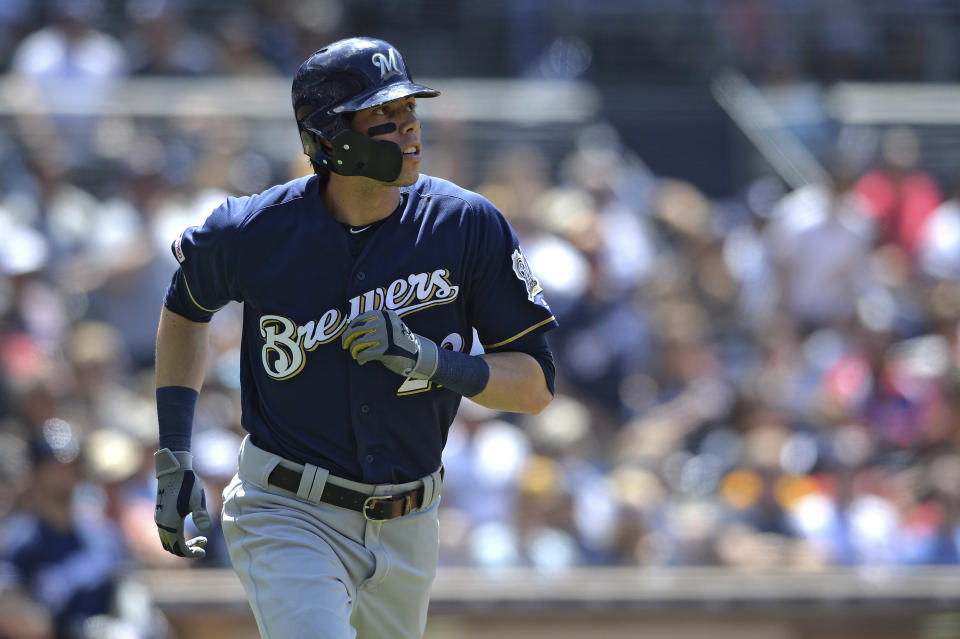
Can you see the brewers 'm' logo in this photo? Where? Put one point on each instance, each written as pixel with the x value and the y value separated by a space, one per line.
pixel 522 268
pixel 389 64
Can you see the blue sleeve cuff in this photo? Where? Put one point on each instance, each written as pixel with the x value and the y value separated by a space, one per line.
pixel 175 409
pixel 464 374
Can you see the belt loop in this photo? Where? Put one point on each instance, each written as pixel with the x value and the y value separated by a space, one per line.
pixel 319 481
pixel 431 487
pixel 312 482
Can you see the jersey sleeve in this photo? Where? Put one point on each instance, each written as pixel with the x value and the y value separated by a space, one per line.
pixel 506 301
pixel 208 261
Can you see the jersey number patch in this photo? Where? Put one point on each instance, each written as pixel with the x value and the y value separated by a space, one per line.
pixel 454 342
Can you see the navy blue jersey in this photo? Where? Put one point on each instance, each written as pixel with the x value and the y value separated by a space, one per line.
pixel 446 260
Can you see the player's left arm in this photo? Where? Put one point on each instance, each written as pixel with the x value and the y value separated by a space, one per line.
pixel 517 384
pixel 507 380
pixel 515 374
pixel 514 385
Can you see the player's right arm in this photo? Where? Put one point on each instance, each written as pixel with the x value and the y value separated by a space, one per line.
pixel 182 347
pixel 181 363
pixel 205 282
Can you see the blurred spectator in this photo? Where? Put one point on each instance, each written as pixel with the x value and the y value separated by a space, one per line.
pixel 842 39
pixel 239 49
pixel 13 19
pixel 617 189
pixel 819 238
pixel 162 42
pixel 900 195
pixel 61 560
pixel 483 459
pixel 87 238
pixel 71 62
pixel 760 38
pixel 98 356
pixel 544 522
pixel 938 249
pixel 27 302
pixel 121 467
pixel 565 433
pixel 774 40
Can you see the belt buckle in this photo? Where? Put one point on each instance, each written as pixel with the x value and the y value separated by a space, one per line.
pixel 371 502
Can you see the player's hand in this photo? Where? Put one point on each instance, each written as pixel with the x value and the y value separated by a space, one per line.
pixel 382 336
pixel 179 493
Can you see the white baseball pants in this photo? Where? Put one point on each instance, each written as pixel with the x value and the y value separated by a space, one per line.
pixel 312 570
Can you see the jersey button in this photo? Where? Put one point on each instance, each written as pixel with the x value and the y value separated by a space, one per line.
pixel 369 459
pixel 361 275
pixel 364 409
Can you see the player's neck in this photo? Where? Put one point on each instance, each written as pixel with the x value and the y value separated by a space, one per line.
pixel 357 201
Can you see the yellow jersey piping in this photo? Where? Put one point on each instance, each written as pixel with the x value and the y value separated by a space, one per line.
pixel 521 334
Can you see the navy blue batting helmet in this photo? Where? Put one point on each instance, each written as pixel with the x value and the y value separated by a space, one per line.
pixel 340 79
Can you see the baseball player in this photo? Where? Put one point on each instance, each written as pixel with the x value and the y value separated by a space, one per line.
pixel 362 286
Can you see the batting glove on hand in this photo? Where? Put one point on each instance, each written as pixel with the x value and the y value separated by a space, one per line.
pixel 382 336
pixel 179 493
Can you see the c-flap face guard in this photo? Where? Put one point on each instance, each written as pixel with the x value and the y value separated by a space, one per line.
pixel 355 154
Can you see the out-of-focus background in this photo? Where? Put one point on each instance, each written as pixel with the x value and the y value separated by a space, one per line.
pixel 745 214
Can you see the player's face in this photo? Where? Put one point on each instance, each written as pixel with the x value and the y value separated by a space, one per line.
pixel 402 114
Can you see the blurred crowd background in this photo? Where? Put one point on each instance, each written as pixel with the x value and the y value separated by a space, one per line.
pixel 752 372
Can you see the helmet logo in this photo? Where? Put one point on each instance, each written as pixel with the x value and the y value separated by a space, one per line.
pixel 389 65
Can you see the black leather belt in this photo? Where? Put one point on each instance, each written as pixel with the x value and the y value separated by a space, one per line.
pixel 373 507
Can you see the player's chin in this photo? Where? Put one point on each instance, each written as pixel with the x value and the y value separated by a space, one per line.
pixel 408 176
